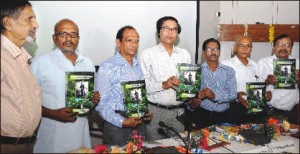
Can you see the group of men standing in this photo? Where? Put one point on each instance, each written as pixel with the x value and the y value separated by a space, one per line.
pixel 33 95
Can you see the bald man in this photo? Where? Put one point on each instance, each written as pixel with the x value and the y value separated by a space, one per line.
pixel 60 130
pixel 246 70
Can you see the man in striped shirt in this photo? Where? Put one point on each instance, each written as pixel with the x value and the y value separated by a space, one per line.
pixel 218 89
pixel 20 93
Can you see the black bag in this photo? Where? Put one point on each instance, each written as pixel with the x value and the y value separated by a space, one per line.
pixel 254 137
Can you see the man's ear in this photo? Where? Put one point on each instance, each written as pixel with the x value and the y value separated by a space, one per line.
pixel 118 42
pixel 8 23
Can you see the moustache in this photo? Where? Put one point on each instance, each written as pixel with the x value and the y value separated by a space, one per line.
pixel 283 51
pixel 68 43
pixel 213 56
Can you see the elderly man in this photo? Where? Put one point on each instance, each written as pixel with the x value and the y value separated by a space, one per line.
pixel 112 72
pixel 246 70
pixel 60 130
pixel 20 94
pixel 285 102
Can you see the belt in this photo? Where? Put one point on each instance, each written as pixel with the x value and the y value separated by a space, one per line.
pixel 169 107
pixel 17 140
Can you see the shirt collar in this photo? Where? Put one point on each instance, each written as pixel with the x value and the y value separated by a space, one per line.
pixel 79 58
pixel 120 60
pixel 162 48
pixel 14 50
pixel 237 61
pixel 220 65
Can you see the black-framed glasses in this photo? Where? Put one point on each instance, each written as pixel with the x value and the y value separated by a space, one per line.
pixel 65 34
pixel 167 29
pixel 244 46
pixel 286 45
pixel 212 49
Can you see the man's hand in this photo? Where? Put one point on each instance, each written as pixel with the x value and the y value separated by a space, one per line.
pixel 241 100
pixel 132 122
pixel 148 117
pixel 194 103
pixel 271 79
pixel 268 96
pixel 96 98
pixel 206 92
pixel 172 82
pixel 64 115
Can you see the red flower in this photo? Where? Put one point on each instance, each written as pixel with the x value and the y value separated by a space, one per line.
pixel 100 148
pixel 272 121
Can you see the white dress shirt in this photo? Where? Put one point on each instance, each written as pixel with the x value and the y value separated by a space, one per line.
pixel 283 99
pixel 243 74
pixel 157 66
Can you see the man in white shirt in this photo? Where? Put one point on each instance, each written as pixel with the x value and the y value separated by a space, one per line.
pixel 285 102
pixel 246 70
pixel 159 67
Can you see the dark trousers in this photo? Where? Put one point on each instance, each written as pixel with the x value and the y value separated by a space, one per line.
pixel 113 135
pixel 203 118
pixel 292 115
pixel 17 148
pixel 238 114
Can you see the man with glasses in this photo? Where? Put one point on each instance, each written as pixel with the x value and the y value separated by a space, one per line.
pixel 60 130
pixel 246 70
pixel 112 72
pixel 285 102
pixel 218 89
pixel 159 67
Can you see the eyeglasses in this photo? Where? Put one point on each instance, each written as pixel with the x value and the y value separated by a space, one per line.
pixel 280 45
pixel 244 46
pixel 212 49
pixel 65 34
pixel 167 29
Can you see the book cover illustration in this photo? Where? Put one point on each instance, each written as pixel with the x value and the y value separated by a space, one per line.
pixel 190 81
pixel 256 96
pixel 79 91
pixel 285 72
pixel 135 98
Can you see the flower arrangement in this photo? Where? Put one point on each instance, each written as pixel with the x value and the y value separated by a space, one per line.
pixel 135 143
pixel 275 127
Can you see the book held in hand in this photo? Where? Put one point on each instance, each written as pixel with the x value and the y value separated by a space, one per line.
pixel 190 81
pixel 285 72
pixel 135 98
pixel 256 96
pixel 79 91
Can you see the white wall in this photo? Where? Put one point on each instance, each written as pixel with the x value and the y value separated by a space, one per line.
pixel 243 12
pixel 99 22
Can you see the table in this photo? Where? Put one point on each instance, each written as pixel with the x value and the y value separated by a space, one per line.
pixel 286 143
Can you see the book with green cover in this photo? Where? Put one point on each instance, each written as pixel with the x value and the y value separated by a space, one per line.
pixel 190 81
pixel 79 91
pixel 135 98
pixel 256 96
pixel 285 72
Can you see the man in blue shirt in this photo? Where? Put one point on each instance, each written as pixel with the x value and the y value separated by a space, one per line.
pixel 112 72
pixel 218 89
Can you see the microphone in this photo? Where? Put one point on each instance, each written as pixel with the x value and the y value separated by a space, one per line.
pixel 29 61
pixel 162 124
pixel 181 116
pixel 162 132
